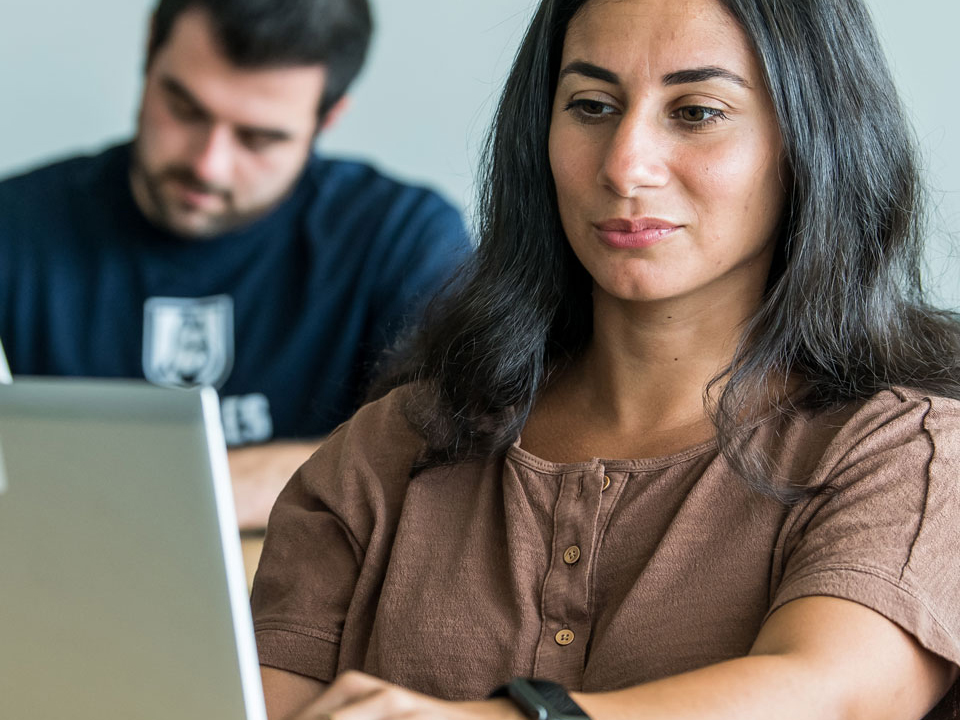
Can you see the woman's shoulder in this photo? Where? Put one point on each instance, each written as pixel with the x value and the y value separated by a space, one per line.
pixel 907 417
pixel 386 416
pixel 380 431
pixel 907 397
pixel 899 427
pixel 359 473
pixel 378 441
pixel 902 426
pixel 898 411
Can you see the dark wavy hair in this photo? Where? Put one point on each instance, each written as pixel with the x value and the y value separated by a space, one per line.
pixel 844 313
pixel 282 33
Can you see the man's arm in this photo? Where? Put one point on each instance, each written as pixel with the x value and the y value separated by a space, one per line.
pixel 259 473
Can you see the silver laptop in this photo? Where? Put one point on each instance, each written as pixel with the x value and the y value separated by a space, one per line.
pixel 5 377
pixel 122 590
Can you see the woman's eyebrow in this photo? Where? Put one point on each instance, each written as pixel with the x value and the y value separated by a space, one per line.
pixel 680 77
pixel 702 74
pixel 595 72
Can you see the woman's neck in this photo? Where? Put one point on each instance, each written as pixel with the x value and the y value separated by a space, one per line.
pixel 639 389
pixel 658 355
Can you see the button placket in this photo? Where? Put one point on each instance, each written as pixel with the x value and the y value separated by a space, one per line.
pixel 566 618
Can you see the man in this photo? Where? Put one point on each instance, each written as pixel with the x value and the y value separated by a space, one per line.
pixel 217 248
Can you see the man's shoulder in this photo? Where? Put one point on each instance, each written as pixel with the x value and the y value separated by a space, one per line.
pixel 343 183
pixel 75 168
pixel 34 190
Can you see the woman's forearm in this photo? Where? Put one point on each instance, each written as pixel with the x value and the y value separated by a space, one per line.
pixel 757 687
pixel 816 658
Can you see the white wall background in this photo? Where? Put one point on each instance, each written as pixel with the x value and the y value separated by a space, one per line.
pixel 920 37
pixel 70 75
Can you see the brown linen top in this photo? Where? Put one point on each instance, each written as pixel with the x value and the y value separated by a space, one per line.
pixel 462 577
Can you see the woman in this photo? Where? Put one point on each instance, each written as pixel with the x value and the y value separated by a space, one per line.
pixel 699 260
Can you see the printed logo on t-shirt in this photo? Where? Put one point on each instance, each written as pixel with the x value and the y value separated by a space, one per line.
pixel 246 419
pixel 188 341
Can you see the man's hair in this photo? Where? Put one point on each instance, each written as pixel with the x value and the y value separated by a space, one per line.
pixel 258 34
pixel 843 313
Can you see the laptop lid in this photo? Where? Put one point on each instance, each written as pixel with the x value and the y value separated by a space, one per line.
pixel 122 591
pixel 5 377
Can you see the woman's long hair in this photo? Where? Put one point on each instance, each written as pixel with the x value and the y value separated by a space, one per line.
pixel 843 314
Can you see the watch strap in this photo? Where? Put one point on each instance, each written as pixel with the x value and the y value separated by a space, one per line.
pixel 541 699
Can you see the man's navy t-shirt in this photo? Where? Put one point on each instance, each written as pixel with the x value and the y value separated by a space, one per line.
pixel 286 316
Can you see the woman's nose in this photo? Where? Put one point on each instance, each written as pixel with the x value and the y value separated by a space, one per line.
pixel 636 157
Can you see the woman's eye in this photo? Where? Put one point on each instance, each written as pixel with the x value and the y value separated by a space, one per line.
pixel 589 110
pixel 591 107
pixel 697 115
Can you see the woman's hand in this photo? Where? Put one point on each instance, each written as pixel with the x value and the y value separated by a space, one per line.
pixel 355 696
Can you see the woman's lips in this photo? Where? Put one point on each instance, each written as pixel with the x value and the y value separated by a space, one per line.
pixel 639 233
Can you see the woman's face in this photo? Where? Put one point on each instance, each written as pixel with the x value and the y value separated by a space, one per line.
pixel 665 150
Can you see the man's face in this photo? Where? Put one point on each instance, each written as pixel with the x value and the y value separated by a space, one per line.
pixel 218 146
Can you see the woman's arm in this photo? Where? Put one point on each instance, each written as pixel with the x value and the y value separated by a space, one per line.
pixel 287 692
pixel 816 658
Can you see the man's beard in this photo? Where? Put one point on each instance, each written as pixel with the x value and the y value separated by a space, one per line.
pixel 163 210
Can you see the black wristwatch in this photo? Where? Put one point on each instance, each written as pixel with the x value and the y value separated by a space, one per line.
pixel 541 699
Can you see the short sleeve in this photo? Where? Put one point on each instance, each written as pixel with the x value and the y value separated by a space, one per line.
pixel 328 542
pixel 883 531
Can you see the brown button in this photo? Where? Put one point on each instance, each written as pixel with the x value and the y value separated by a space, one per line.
pixel 564 637
pixel 606 483
pixel 571 555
